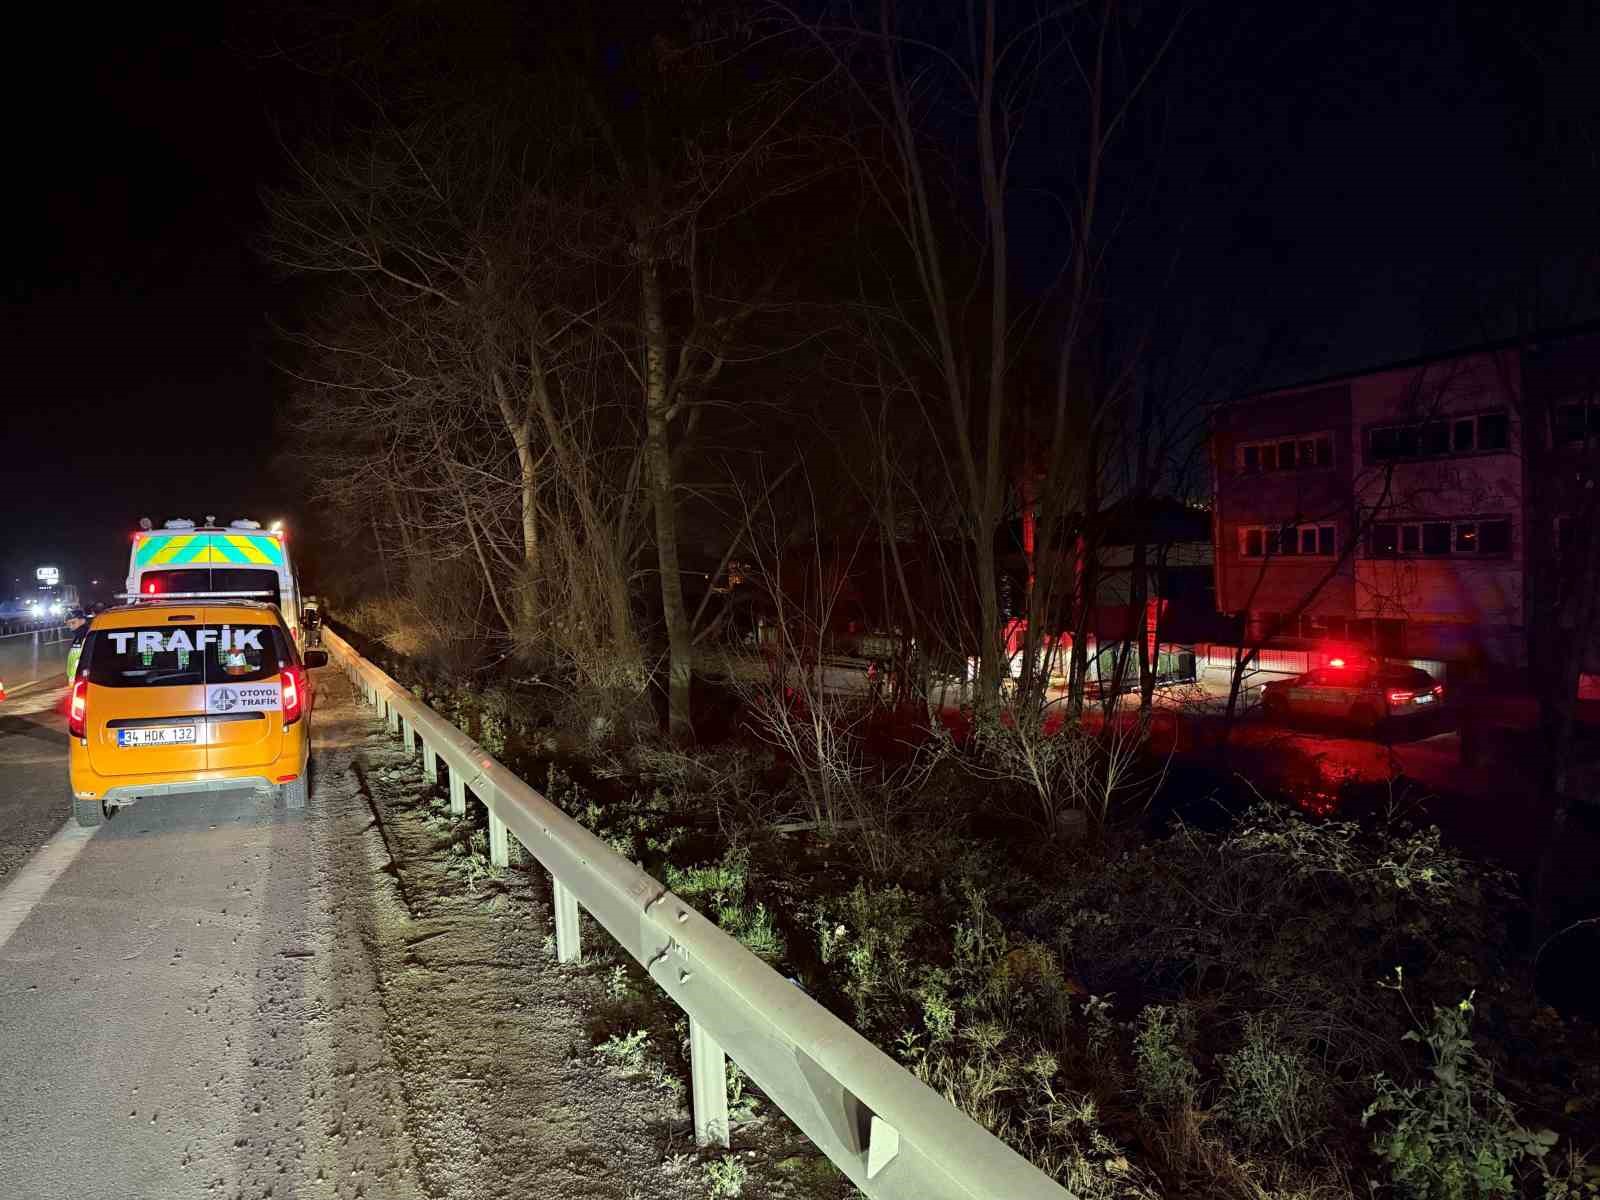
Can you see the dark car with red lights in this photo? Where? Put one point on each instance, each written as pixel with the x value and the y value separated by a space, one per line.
pixel 1362 694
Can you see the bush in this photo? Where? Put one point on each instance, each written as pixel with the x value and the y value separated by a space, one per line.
pixel 868 936
pixel 1271 1091
pixel 625 1051
pixel 1455 1137
pixel 722 888
pixel 1167 1078
pixel 726 1177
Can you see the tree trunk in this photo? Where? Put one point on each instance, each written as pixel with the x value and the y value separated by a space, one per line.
pixel 658 472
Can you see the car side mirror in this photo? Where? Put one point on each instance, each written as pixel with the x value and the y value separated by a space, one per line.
pixel 316 658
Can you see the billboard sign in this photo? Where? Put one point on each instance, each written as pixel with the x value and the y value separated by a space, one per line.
pixel 48 576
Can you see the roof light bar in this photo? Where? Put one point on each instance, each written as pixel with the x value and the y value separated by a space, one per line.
pixel 190 595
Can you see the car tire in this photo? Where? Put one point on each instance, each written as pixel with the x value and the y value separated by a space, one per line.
pixel 89 812
pixel 294 793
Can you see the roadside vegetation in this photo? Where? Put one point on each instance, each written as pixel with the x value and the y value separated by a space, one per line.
pixel 1223 998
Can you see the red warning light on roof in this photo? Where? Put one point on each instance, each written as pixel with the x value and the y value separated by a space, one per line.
pixel 1336 662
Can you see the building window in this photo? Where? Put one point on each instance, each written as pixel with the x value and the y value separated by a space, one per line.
pixel 1300 453
pixel 1476 434
pixel 1477 538
pixel 1576 421
pixel 1287 541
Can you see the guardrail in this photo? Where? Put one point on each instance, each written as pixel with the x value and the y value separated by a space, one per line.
pixel 894 1137
pixel 34 655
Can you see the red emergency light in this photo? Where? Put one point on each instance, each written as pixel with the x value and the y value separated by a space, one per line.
pixel 1336 662
pixel 150 589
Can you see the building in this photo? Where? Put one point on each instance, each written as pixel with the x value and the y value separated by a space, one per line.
pixel 1390 509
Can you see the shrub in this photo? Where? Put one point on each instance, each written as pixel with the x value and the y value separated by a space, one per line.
pixel 722 888
pixel 625 1051
pixel 868 936
pixel 1059 766
pixel 1455 1137
pixel 1167 1078
pixel 1271 1091
pixel 726 1177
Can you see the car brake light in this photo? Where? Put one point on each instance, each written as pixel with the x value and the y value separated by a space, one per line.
pixel 293 695
pixel 1401 697
pixel 1438 689
pixel 150 589
pixel 78 708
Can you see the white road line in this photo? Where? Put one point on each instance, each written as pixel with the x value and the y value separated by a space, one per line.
pixel 30 884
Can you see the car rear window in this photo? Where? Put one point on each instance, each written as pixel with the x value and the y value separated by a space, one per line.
pixel 174 655
pixel 211 580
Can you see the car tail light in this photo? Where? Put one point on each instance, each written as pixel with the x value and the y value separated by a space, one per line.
pixel 294 695
pixel 1401 697
pixel 78 708
pixel 1438 690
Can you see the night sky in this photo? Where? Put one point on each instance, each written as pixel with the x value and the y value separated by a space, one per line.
pixel 1365 176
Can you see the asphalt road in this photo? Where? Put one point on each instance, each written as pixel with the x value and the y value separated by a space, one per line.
pixel 33 772
pixel 187 1005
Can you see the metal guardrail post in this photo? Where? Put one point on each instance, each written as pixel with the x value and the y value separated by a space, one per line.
pixel 499 841
pixel 708 1078
pixel 565 905
pixel 458 794
pixel 430 763
pixel 392 712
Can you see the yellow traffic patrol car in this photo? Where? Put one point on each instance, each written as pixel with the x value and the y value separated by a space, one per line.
pixel 188 694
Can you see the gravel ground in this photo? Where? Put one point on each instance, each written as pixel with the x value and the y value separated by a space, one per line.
pixel 493 1040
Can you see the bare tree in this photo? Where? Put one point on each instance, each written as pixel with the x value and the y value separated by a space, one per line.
pixel 962 318
pixel 466 351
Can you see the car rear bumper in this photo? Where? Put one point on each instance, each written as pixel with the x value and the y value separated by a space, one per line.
pixel 121 797
pixel 88 784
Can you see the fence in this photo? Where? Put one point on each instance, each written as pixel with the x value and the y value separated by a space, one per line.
pixel 895 1138
pixel 1280 661
pixel 30 657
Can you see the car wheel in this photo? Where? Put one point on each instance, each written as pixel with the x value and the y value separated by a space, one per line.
pixel 294 793
pixel 88 812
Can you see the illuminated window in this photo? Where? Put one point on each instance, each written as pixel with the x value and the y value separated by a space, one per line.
pixel 1476 538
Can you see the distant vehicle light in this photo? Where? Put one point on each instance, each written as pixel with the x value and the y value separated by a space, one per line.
pixel 1401 697
pixel 55 610
pixel 1336 662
